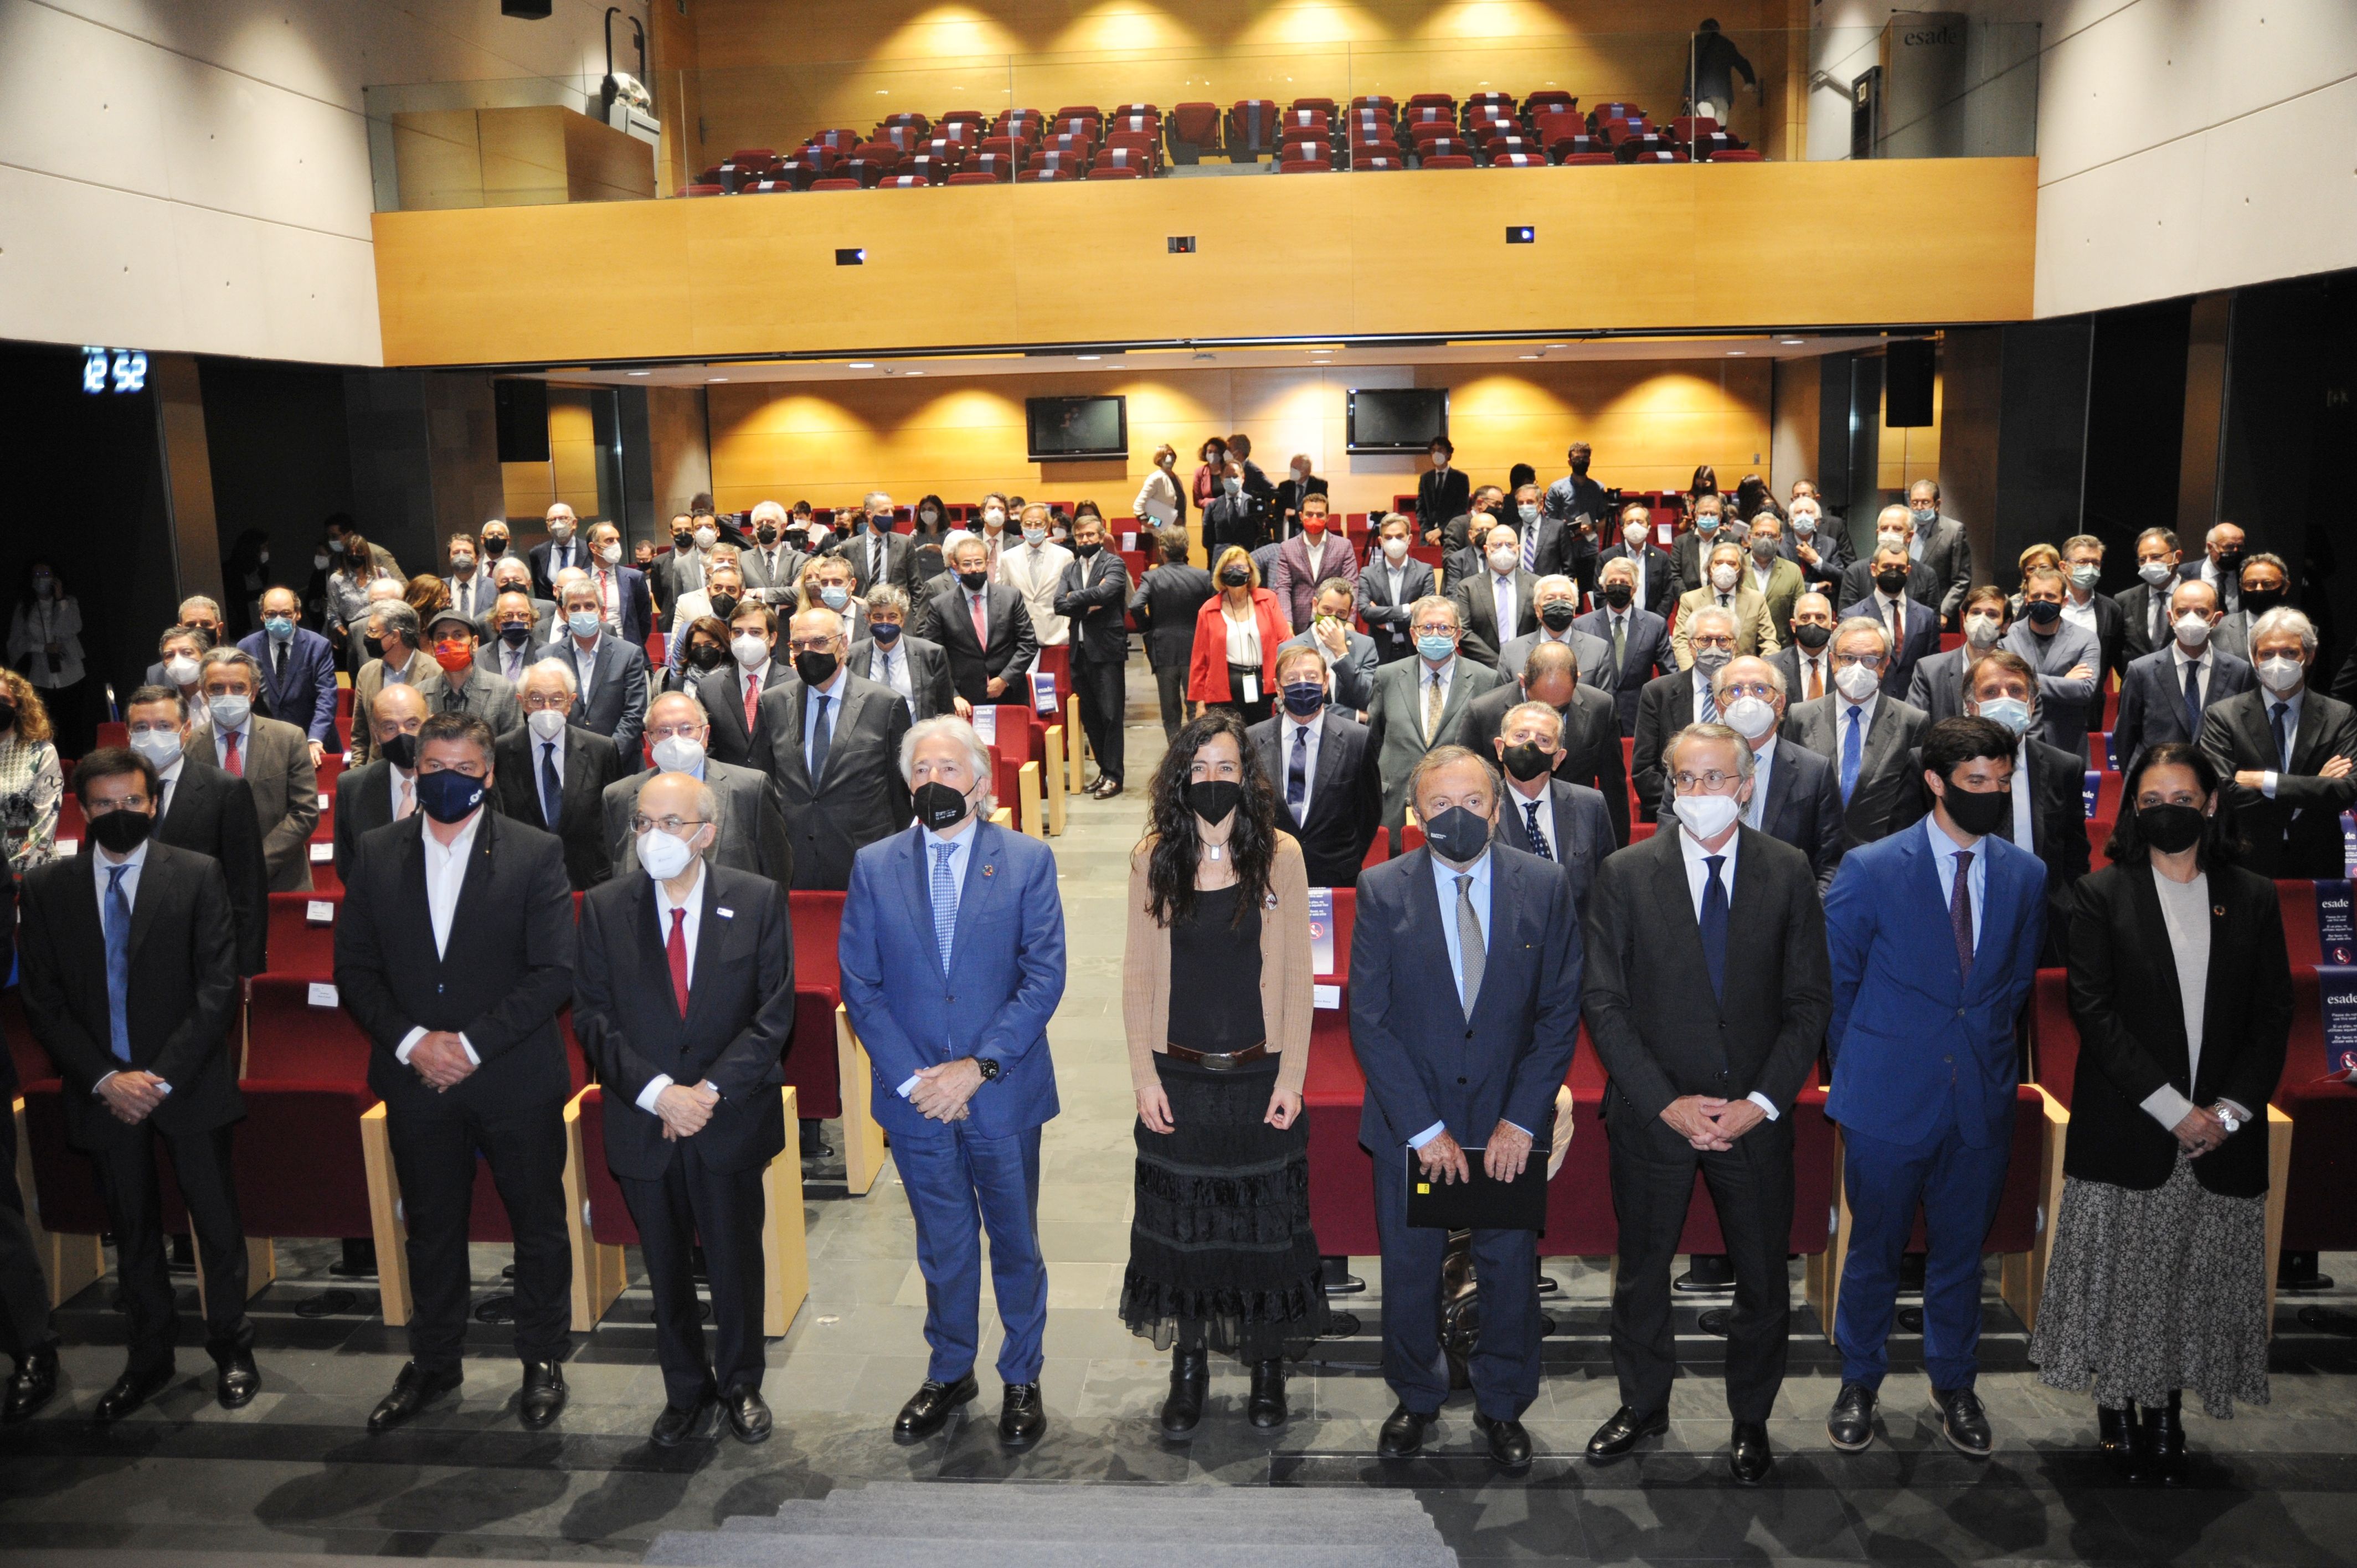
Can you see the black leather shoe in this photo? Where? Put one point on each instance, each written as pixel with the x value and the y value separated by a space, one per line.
pixel 928 1409
pixel 1510 1446
pixel 412 1390
pixel 1962 1422
pixel 240 1380
pixel 1851 1425
pixel 1022 1419
pixel 2160 1449
pixel 1624 1431
pixel 678 1422
pixel 1265 1406
pixel 543 1396
pixel 1106 788
pixel 748 1414
pixel 1747 1454
pixel 131 1390
pixel 1190 1378
pixel 2116 1438
pixel 1403 1433
pixel 35 1384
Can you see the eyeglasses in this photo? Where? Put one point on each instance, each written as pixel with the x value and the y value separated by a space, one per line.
pixel 640 822
pixel 1709 783
pixel 811 645
pixel 1437 628
pixel 1759 689
pixel 1864 660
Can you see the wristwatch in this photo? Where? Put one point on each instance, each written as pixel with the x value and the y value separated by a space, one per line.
pixel 2226 1117
pixel 989 1068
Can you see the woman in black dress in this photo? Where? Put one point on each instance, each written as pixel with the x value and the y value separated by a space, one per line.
pixel 1217 1002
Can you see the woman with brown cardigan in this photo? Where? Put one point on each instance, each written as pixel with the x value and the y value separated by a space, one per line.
pixel 1217 1000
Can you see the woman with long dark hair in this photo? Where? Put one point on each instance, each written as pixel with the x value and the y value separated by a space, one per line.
pixel 2182 988
pixel 1217 1006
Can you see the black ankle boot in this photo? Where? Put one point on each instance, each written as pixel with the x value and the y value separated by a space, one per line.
pixel 1265 1406
pixel 1190 1377
pixel 2116 1436
pixel 2161 1445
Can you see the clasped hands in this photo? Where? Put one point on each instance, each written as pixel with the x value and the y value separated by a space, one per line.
pixel 685 1111
pixel 2200 1132
pixel 941 1092
pixel 1508 1153
pixel 1709 1123
pixel 131 1095
pixel 440 1060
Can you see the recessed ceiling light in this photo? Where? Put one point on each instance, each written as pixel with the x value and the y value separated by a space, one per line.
pixel 1787 339
pixel 641 372
pixel 1559 345
pixel 1528 356
pixel 912 372
pixel 1735 353
pixel 861 365
pixel 1088 356
pixel 716 378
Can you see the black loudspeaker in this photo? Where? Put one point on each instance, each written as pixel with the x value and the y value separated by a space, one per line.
pixel 521 407
pixel 1906 382
pixel 527 10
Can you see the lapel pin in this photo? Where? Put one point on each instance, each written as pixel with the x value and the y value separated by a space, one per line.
pixel 2219 910
pixel 990 870
pixel 724 914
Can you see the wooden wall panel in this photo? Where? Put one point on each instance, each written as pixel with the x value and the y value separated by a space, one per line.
pixel 1620 248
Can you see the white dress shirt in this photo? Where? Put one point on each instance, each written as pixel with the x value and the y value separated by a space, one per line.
pixel 2078 613
pixel 168 779
pixel 688 929
pixel 446 877
pixel 1885 606
pixel 1698 884
pixel 2202 662
pixel 584 663
pixel 889 667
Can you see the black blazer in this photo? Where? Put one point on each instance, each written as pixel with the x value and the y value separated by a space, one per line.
pixel 180 1003
pixel 1923 586
pixel 1093 592
pixel 2137 637
pixel 929 673
pixel 211 812
pixel 1665 706
pixel 899 561
pixel 1013 643
pixel 1591 744
pixel 2152 700
pixel 1579 829
pixel 363 804
pixel 1922 640
pixel 1803 808
pixel 1164 607
pixel 2111 641
pixel 1438 498
pixel 1346 796
pixel 1660 577
pixel 1386 617
pixel 590 764
pixel 722 693
pixel 740 1016
pixel 1658 1029
pixel 1890 786
pixel 505 971
pixel 1286 501
pixel 542 559
pixel 2298 833
pixel 1646 654
pixel 2131 1015
pixel 861 797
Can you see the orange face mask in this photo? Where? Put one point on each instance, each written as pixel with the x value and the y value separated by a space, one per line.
pixel 454 655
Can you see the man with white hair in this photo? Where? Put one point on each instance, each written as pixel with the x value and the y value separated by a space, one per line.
pixel 2289 753
pixel 559 551
pixel 1556 600
pixel 952 1006
pixel 1669 704
pixel 552 773
pixel 1032 569
pixel 770 564
pixel 877 553
pixel 830 742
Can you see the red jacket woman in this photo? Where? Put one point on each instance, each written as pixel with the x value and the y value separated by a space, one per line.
pixel 1250 613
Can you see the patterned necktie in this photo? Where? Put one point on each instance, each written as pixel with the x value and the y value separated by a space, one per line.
pixel 118 963
pixel 2193 702
pixel 1960 912
pixel 1709 702
pixel 232 761
pixel 2282 736
pixel 1619 644
pixel 1853 752
pixel 1473 958
pixel 1714 925
pixel 1433 699
pixel 551 789
pixel 752 699
pixel 1296 772
pixel 676 950
pixel 945 901
pixel 1816 679
pixel 1539 846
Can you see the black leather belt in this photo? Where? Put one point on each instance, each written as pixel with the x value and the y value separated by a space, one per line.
pixel 1219 1061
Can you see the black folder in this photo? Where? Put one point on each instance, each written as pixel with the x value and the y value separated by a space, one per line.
pixel 1481 1204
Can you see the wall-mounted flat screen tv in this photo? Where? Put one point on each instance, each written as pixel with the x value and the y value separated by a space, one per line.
pixel 1397 419
pixel 1066 427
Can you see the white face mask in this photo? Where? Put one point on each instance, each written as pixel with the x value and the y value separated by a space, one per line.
pixel 2280 675
pixel 1502 559
pixel 1707 816
pixel 1300 476
pixel 559 530
pixel 664 855
pixel 2191 629
pixel 1884 540
pixel 1750 717
pixel 679 754
pixel 1634 538
pixel 1724 578
pixel 1395 550
pixel 749 650
pixel 2156 572
pixel 2010 712
pixel 1236 485
pixel 180 670
pixel 1856 682
pixel 994 517
pixel 161 747
pixel 1804 524
pixel 546 723
pixel 229 712
pixel 705 538
pixel 1982 631
pixel 611 554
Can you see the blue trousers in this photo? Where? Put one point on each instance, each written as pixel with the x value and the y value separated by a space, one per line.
pixel 1958 1187
pixel 1504 1366
pixel 959 1184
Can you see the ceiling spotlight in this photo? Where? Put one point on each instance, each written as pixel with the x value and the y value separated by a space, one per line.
pixel 1529 355
pixel 1737 353
pixel 912 372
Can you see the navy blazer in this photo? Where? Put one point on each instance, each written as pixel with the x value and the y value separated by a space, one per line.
pixel 1646 655
pixel 2152 700
pixel 1910 1031
pixel 1425 1061
pixel 1006 974
pixel 1579 831
pixel 618 694
pixel 306 697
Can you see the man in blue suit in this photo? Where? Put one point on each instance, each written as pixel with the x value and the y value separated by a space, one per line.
pixel 1638 639
pixel 299 670
pixel 622 597
pixel 1934 934
pixel 1464 1010
pixel 953 959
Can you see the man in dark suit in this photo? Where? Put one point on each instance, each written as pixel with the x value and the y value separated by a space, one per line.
pixel 1422 704
pixel 2289 753
pixel 1442 492
pixel 1892 530
pixel 513 633
pixel 877 553
pixel 1940 543
pixel 675 573
pixel 1681 697
pixel 2220 564
pixel 1934 935
pixel 553 774
pixel 1807 662
pixel 1587 733
pixel 1391 585
pixel 274 758
pixel 1820 549
pixel 983 627
pixel 1708 1042
pixel 299 670
pixel 1488 593
pixel 202 808
pixel 610 675
pixel 751 832
pixel 621 595
pixel 1794 797
pixel 560 550
pixel 1638 639
pixel 2145 612
pixel 731 694
pixel 834 754
pixel 1461 939
pixel 1865 735
pixel 454 952
pixel 383 792
pixel 917 668
pixel 129 981
pixel 1164 607
pixel 1652 576
pixel 1690 551
pixel 1909 626
pixel 1557 600
pixel 1540 812
pixel 1292 491
pixel 1092 595
pixel 1319 762
pixel 1938 684
pixel 1349 655
pixel 684 1001
pixel 771 566
pixel 2165 693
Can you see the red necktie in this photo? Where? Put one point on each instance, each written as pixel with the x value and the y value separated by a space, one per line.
pixel 235 763
pixel 752 700
pixel 980 639
pixel 675 948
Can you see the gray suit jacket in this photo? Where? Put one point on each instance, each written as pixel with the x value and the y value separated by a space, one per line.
pixel 1579 831
pixel 929 673
pixel 485 694
pixel 1949 554
pixel 1595 656
pixel 1479 604
pixel 1938 684
pixel 2152 700
pixel 860 798
pixel 285 788
pixel 616 706
pixel 2062 704
pixel 1803 808
pixel 1396 722
pixel 1886 783
pixel 1354 673
pixel 772 588
pixel 752 835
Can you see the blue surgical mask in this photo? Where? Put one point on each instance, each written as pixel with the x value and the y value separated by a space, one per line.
pixel 280 628
pixel 1434 648
pixel 834 595
pixel 1924 516
pixel 583 623
pixel 1707 523
pixel 2010 712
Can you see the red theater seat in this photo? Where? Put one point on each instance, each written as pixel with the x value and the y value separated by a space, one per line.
pixel 834 185
pixel 298 945
pixel 1192 130
pixel 1451 160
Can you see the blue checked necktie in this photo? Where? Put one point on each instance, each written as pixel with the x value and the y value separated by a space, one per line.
pixel 1853 752
pixel 2193 701
pixel 945 901
pixel 118 963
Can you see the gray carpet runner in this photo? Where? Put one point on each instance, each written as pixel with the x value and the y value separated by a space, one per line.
pixel 888 1524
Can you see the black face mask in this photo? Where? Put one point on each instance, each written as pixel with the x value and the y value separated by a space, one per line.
pixel 1977 815
pixel 2260 601
pixel 1618 594
pixel 683 543
pixel 494 545
pixel 2042 612
pixel 2229 562
pixel 2172 830
pixel 1458 835
pixel 939 807
pixel 1528 760
pixel 1557 615
pixel 1085 551
pixel 817 669
pixel 1213 799
pixel 974 581
pixel 401 751
pixel 767 533
pixel 119 833
pixel 515 636
pixel 1235 576
pixel 705 656
pixel 1891 583
pixel 1812 636
pixel 375 646
pixel 724 605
